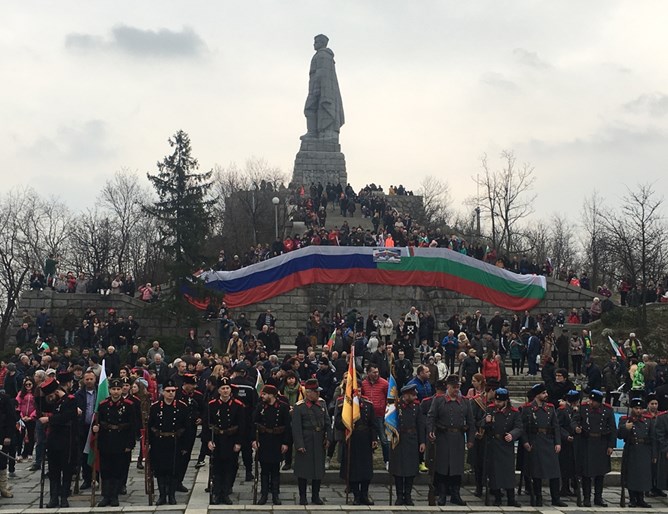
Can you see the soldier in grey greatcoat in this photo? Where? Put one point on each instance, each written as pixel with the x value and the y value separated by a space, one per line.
pixel 542 442
pixel 503 426
pixel 661 438
pixel 311 433
pixel 595 422
pixel 405 456
pixel 450 424
pixel 637 430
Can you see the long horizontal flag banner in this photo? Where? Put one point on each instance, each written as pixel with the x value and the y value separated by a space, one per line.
pixel 426 267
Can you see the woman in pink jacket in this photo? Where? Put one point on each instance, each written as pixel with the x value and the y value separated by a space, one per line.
pixel 26 409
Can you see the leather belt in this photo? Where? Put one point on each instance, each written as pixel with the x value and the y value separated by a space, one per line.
pixel 109 426
pixel 275 430
pixel 640 440
pixel 166 434
pixel 541 431
pixel 226 431
pixel 442 428
pixel 411 430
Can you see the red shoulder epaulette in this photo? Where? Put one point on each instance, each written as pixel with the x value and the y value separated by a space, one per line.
pixel 647 415
pixel 106 400
pixel 71 396
pixel 492 404
pixel 182 403
pixel 549 404
pixel 661 413
pixel 416 402
pixel 128 401
pixel 197 392
pixel 427 398
pixel 239 402
pixel 514 409
pixel 214 400
pixel 607 405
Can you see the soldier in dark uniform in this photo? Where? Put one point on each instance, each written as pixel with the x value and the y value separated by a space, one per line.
pixel 503 426
pixel 657 467
pixel 542 441
pixel 272 421
pixel 194 400
pixel 311 434
pixel 450 424
pixel 243 389
pixel 223 433
pixel 475 456
pixel 61 441
pixel 8 420
pixel 405 456
pixel 637 431
pixel 363 440
pixel 661 436
pixel 521 459
pixel 136 405
pixel 115 425
pixel 570 461
pixel 167 421
pixel 425 405
pixel 595 422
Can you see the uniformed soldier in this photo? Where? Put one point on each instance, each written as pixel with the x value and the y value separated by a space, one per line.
pixel 595 421
pixel 223 432
pixel 61 442
pixel 243 389
pixel 569 459
pixel 657 467
pixel 136 405
pixel 115 426
pixel 542 441
pixel 273 435
pixel 194 400
pixel 661 436
pixel 311 434
pixel 637 431
pixel 450 424
pixel 167 426
pixel 479 404
pixel 357 468
pixel 405 456
pixel 503 426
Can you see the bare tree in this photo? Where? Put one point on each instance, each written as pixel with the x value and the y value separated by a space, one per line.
pixel 504 197
pixel 562 250
pixel 123 196
pixel 94 242
pixel 593 240
pixel 436 202
pixel 636 236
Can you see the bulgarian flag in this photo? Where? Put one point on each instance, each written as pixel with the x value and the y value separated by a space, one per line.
pixel 351 402
pixel 332 338
pixel 259 383
pixel 102 394
pixel 617 349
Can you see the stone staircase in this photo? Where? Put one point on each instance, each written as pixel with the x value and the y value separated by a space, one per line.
pixel 334 219
pixel 518 385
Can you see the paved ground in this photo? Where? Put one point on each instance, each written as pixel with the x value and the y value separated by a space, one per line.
pixel 26 497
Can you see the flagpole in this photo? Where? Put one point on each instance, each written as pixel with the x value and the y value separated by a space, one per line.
pixel 348 468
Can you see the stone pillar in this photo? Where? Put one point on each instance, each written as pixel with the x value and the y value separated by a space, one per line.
pixel 319 161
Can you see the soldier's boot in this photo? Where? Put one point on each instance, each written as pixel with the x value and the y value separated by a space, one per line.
pixel 537 488
pixel 598 492
pixel 554 493
pixel 498 500
pixel 399 486
pixel 264 488
pixel 565 490
pixel 54 488
pixel 116 487
pixel 355 490
pixel 586 492
pixel 215 490
pixel 162 491
pixel 276 488
pixel 301 484
pixel 315 493
pixel 104 492
pixel 455 497
pixel 4 485
pixel 171 491
pixel 478 483
pixel 512 502
pixel 364 493
pixel 408 491
pixel 640 500
pixel 441 490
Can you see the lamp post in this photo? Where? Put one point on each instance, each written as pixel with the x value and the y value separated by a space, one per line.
pixel 276 201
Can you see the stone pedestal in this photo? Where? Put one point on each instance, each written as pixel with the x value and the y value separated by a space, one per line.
pixel 320 161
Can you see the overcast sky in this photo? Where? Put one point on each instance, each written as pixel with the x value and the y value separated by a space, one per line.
pixel 578 89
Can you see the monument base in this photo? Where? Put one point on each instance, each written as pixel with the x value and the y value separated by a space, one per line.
pixel 320 161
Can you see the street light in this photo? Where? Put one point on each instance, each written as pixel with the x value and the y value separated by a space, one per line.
pixel 276 201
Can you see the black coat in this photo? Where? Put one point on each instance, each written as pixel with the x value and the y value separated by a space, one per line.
pixel 501 454
pixel 638 452
pixel 568 465
pixel 541 429
pixel 361 440
pixel 118 425
pixel 62 437
pixel 598 434
pixel 272 423
pixel 167 427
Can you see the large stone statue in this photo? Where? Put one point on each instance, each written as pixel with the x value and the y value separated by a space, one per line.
pixel 323 109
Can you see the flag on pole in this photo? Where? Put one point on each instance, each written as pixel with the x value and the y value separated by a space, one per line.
pixel 332 339
pixel 102 394
pixel 617 349
pixel 259 383
pixel 391 413
pixel 351 402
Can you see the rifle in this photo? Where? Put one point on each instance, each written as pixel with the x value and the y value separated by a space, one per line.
pixel 256 465
pixel 149 487
pixel 431 464
pixel 76 480
pixel 209 478
pixel 42 480
pixel 485 466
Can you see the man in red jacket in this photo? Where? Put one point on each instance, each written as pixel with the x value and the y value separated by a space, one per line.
pixel 374 387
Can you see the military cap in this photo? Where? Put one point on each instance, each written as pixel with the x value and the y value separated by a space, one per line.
pixel 170 383
pixel 441 384
pixel 572 395
pixel 596 395
pixel 537 389
pixel 452 380
pixel 501 394
pixel 65 376
pixel 49 386
pixel 637 402
pixel 411 388
pixel 115 382
pixel 312 385
pixel 224 381
pixel 270 389
pixel 189 378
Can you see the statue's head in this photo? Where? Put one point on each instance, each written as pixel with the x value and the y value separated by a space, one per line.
pixel 320 41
